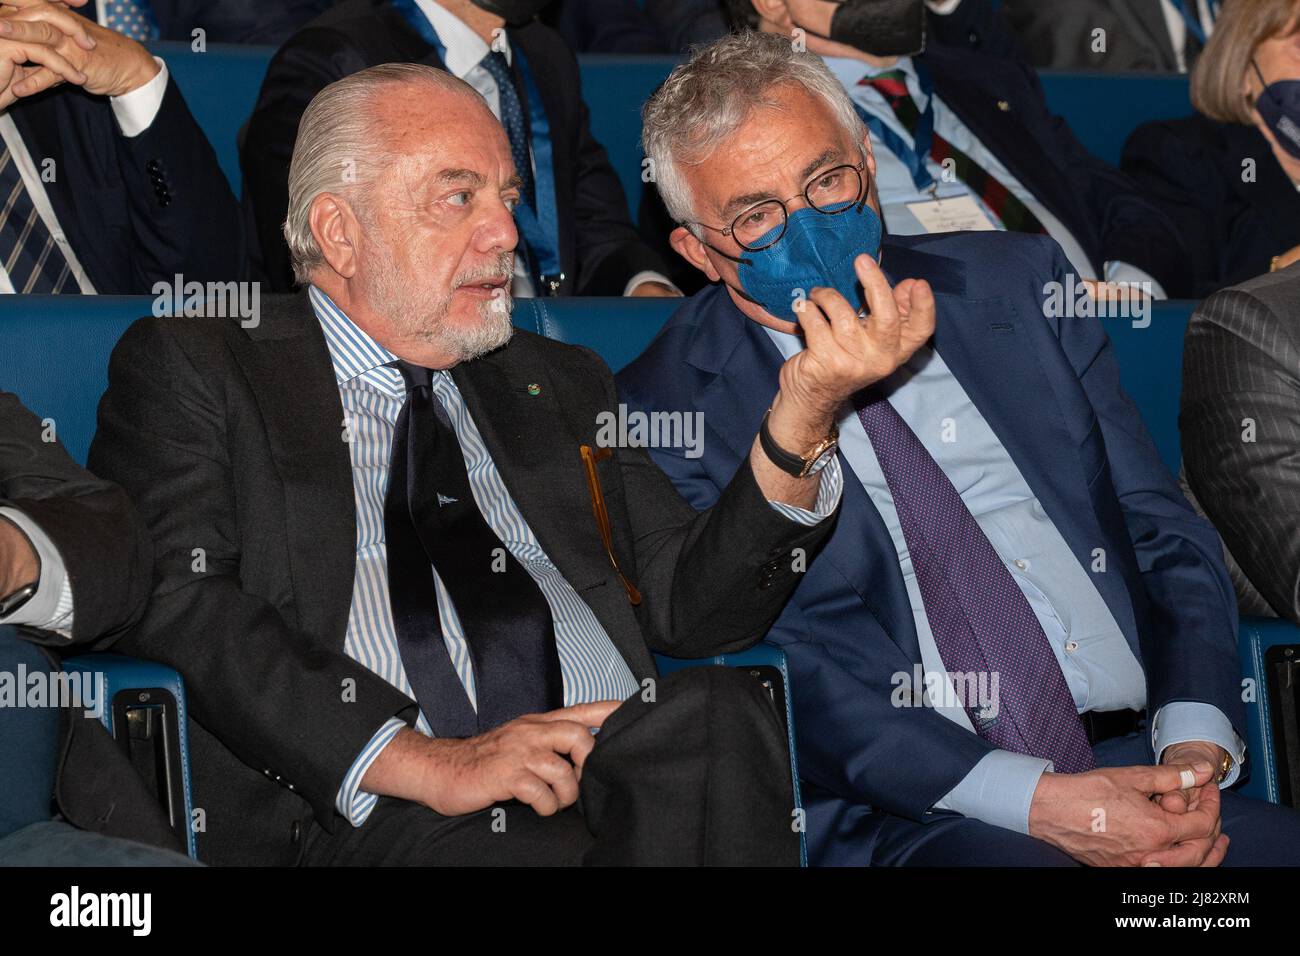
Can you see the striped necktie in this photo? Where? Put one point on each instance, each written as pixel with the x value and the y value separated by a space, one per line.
pixel 131 18
pixel 28 253
pixel 1015 215
pixel 981 621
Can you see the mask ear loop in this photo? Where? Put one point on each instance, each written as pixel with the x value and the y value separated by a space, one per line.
pixel 1263 83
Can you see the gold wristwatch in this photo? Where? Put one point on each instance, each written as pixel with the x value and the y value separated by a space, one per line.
pixel 1225 768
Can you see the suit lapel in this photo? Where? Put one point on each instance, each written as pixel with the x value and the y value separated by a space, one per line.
pixel 289 368
pixel 535 449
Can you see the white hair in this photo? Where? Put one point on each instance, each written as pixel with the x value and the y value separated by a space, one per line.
pixel 708 98
pixel 340 150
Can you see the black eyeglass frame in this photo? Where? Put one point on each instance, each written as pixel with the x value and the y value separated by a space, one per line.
pixel 864 189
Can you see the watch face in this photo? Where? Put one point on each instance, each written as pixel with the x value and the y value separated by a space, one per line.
pixel 822 461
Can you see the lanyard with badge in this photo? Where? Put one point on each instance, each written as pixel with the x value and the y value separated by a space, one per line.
pixel 540 225
pixel 951 214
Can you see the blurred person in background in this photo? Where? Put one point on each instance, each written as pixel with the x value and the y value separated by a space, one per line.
pixel 110 184
pixel 1229 176
pixel 576 237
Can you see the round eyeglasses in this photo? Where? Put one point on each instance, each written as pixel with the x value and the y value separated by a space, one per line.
pixel 762 225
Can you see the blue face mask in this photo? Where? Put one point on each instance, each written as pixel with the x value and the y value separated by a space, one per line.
pixel 816 250
pixel 1279 108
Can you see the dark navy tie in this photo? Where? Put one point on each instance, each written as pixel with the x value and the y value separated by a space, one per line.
pixel 512 118
pixel 981 621
pixel 431 521
pixel 28 253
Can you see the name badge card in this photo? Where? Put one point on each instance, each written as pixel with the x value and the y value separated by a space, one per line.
pixel 957 214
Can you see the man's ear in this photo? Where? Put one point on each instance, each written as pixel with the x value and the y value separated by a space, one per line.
pixel 773 11
pixel 692 250
pixel 335 228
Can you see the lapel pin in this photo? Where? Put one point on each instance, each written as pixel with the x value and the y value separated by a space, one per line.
pixel 534 389
pixel 1004 106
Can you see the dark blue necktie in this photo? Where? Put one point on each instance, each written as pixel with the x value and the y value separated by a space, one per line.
pixel 28 253
pixel 512 118
pixel 981 621
pixel 431 521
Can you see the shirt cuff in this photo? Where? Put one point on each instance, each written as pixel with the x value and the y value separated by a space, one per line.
pixel 829 488
pixel 135 111
pixel 1185 720
pixel 998 790
pixel 354 803
pixel 1118 271
pixel 50 608
pixel 943 7
pixel 649 275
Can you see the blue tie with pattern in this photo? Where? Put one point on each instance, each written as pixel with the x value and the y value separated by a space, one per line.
pixel 131 18
pixel 981 620
pixel 512 118
pixel 28 253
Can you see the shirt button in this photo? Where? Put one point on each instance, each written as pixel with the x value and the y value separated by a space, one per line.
pixel 1071 646
pixel 1021 564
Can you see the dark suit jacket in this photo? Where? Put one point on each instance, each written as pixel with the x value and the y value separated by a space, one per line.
pixel 1193 169
pixel 106 552
pixel 1104 209
pixel 229 440
pixel 1241 371
pixel 234 21
pixel 1049 387
pixel 136 210
pixel 599 248
pixel 1059 34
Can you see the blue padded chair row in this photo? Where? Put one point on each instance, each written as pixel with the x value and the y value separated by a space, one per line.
pixel 221 88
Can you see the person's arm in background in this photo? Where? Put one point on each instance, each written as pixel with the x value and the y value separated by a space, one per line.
pixel 184 218
pixel 95 561
pixel 1240 426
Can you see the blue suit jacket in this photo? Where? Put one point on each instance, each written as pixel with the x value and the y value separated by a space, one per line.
pixel 1049 388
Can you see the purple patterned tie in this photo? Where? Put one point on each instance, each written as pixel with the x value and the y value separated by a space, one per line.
pixel 981 621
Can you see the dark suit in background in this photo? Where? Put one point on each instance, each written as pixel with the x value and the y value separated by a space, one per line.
pixel 1241 380
pixel 1058 34
pixel 599 248
pixel 136 209
pixel 229 439
pixel 1234 206
pixel 63 758
pixel 234 21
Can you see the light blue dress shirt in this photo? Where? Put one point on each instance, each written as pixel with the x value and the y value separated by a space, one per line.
pixel 897 188
pixel 372 394
pixel 1098 664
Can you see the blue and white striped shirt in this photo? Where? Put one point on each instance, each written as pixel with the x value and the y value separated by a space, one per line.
pixel 372 394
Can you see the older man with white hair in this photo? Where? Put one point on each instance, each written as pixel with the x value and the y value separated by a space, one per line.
pixel 406 637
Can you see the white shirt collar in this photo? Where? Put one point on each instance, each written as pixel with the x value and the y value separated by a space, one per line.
pixel 465 48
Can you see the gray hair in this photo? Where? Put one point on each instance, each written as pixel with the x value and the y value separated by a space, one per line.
pixel 707 99
pixel 339 150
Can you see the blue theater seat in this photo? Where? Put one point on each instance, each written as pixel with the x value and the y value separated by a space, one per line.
pixel 221 86
pixel 56 355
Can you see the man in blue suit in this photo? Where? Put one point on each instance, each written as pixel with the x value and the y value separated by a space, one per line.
pixel 1018 645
